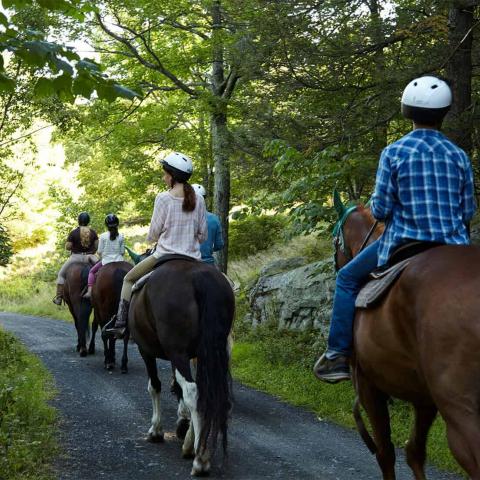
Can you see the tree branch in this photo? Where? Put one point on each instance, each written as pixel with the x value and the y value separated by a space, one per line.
pixel 158 67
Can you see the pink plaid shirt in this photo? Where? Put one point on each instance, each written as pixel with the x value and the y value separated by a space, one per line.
pixel 176 231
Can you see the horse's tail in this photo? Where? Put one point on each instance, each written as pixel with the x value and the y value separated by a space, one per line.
pixel 213 374
pixel 361 427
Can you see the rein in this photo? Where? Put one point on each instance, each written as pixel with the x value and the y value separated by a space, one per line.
pixel 339 239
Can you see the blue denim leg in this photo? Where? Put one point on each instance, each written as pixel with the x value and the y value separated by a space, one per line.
pixel 350 280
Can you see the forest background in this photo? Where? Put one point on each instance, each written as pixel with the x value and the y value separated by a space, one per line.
pixel 277 102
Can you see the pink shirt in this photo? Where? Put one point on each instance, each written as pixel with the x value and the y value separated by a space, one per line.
pixel 176 231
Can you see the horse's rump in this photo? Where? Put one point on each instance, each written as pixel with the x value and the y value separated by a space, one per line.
pixel 178 286
pixel 415 332
pixel 107 288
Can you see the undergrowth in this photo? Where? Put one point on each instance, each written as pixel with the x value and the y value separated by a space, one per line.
pixel 27 422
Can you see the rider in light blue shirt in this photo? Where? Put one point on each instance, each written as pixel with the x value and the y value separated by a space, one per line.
pixel 214 242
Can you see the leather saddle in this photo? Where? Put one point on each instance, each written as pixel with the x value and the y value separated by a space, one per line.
pixel 140 283
pixel 383 278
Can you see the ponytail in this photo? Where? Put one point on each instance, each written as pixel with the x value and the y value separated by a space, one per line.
pixel 189 198
pixel 113 232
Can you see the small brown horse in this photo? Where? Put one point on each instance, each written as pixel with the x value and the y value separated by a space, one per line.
pixel 186 311
pixel 105 298
pixel 421 344
pixel 80 308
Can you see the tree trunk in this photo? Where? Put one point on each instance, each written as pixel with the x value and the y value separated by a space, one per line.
pixel 220 140
pixel 459 72
pixel 220 144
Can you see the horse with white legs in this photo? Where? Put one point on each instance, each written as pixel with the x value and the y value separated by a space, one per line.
pixel 186 311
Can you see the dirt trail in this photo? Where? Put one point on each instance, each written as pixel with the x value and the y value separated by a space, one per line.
pixel 104 419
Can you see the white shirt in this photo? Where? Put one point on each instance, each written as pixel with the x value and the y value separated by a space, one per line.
pixel 111 250
pixel 175 230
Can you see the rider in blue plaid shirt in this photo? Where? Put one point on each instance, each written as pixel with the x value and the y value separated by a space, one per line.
pixel 424 192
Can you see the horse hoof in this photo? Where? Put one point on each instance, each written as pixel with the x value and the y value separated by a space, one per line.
pixel 182 428
pixel 83 352
pixel 91 351
pixel 109 366
pixel 124 370
pixel 200 469
pixel 155 438
pixel 78 348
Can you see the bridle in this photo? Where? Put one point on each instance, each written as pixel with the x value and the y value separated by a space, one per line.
pixel 339 239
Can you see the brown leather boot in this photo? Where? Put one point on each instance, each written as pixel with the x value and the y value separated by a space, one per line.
pixel 58 298
pixel 119 320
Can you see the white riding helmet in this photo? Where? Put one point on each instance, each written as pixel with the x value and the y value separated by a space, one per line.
pixel 426 100
pixel 178 165
pixel 199 189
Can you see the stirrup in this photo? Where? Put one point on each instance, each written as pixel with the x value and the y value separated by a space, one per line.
pixel 57 300
pixel 117 332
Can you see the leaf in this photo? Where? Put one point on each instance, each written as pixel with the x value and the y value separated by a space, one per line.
pixel 83 86
pixel 15 3
pixel 3 20
pixel 106 92
pixel 88 65
pixel 44 88
pixel 63 65
pixel 125 92
pixel 7 85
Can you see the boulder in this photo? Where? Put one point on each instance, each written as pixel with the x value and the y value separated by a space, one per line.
pixel 293 295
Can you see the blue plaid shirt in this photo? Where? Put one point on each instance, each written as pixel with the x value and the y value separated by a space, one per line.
pixel 424 191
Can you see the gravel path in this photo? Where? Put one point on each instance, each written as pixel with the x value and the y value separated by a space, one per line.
pixel 104 419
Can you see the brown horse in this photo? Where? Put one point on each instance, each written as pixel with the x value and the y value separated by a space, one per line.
pixel 80 308
pixel 186 311
pixel 105 299
pixel 420 344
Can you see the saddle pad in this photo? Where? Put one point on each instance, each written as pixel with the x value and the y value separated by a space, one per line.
pixel 139 284
pixel 379 284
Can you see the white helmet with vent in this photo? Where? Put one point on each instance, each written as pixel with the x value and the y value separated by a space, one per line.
pixel 199 189
pixel 426 100
pixel 178 165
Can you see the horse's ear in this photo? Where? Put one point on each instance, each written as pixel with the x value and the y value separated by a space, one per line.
pixel 133 255
pixel 338 204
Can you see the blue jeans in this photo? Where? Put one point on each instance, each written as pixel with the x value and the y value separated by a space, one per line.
pixel 350 280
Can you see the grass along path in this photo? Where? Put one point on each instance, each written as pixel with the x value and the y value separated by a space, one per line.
pixel 279 363
pixel 27 422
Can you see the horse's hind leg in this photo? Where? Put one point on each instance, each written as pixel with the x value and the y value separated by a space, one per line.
pixel 183 375
pixel 416 446
pixel 375 404
pixel 155 433
pixel 183 413
pixel 463 434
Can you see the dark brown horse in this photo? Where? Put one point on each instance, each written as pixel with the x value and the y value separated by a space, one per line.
pixel 80 308
pixel 105 298
pixel 186 311
pixel 421 344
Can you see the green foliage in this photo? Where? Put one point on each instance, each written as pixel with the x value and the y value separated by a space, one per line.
pixel 254 233
pixel 6 250
pixel 63 74
pixel 27 422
